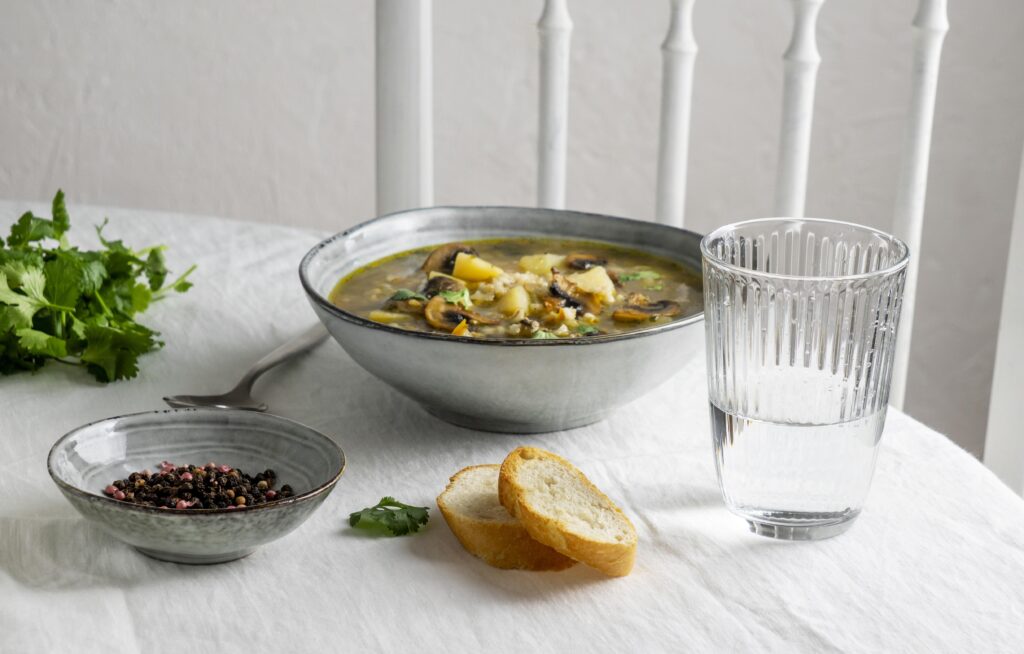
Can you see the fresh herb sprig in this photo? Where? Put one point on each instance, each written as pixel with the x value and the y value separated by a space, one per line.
pixel 405 294
pixel 639 274
pixel 73 306
pixel 390 516
pixel 460 298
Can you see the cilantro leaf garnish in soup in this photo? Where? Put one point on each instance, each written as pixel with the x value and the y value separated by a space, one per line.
pixel 523 288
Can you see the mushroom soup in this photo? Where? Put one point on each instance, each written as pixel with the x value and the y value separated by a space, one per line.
pixel 522 288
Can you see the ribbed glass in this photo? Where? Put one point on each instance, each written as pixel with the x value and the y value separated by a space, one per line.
pixel 801 318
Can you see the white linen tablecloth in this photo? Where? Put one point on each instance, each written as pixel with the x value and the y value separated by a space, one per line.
pixel 934 564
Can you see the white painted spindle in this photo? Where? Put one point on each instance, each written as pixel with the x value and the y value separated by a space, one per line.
pixel 1004 447
pixel 679 53
pixel 555 27
pixel 405 141
pixel 930 27
pixel 801 71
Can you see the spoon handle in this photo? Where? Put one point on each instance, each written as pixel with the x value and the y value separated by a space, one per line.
pixel 307 340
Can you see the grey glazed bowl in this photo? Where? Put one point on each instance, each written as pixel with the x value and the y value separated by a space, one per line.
pixel 523 386
pixel 88 458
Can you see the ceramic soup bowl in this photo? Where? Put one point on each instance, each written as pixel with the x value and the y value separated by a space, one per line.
pixel 505 385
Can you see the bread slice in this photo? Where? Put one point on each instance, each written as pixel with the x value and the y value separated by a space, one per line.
pixel 561 508
pixel 470 507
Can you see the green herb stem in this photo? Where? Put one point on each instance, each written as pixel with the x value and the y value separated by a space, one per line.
pixel 163 292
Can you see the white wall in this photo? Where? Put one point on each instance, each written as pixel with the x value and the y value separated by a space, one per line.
pixel 263 110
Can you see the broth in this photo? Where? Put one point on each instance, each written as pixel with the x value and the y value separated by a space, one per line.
pixel 522 288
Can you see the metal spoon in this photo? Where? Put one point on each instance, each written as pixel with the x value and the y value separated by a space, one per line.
pixel 240 397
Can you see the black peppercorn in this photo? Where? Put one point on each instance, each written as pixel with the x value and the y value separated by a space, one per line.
pixel 197 487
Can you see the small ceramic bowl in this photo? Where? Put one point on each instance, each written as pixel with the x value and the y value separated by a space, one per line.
pixel 86 460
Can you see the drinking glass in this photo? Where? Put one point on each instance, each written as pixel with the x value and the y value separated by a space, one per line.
pixel 800 319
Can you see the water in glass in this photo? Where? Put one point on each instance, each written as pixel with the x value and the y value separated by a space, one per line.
pixel 801 318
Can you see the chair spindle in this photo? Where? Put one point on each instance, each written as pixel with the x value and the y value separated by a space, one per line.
pixel 930 26
pixel 555 27
pixel 404 105
pixel 679 53
pixel 801 70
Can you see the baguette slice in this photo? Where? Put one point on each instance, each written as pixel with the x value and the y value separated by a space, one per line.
pixel 561 508
pixel 470 507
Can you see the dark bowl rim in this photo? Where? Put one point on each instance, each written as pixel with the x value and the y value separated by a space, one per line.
pixel 279 504
pixel 326 305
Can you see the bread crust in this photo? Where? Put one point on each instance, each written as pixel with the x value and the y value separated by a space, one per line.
pixel 615 559
pixel 505 545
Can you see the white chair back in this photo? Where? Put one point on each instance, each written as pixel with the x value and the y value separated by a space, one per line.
pixel 404 105
pixel 404 117
pixel 1004 438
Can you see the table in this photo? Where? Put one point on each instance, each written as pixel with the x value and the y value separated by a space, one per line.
pixel 935 563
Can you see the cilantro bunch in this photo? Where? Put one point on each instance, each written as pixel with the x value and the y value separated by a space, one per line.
pixel 73 306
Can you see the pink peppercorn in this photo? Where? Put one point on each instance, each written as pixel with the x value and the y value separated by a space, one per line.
pixel 182 504
pixel 118 495
pixel 186 476
pixel 110 490
pixel 231 507
pixel 225 469
pixel 270 494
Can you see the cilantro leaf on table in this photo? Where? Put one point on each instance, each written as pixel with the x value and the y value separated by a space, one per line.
pixel 59 213
pixel 179 285
pixel 21 307
pixel 156 268
pixel 41 343
pixel 58 302
pixel 29 229
pixel 390 516
pixel 113 352
pixel 65 279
